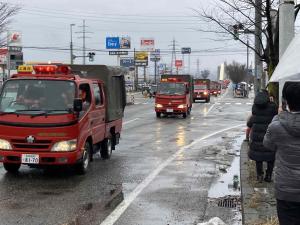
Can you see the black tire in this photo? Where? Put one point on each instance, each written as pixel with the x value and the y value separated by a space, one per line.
pixel 207 100
pixel 158 114
pixel 106 148
pixel 11 167
pixel 83 166
pixel 184 115
pixel 194 100
pixel 189 111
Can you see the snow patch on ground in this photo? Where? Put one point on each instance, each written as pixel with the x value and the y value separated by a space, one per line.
pixel 213 221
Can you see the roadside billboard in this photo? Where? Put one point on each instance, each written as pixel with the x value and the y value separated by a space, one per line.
pixel 127 62
pixel 178 63
pixel 112 43
pixel 118 43
pixel 141 58
pixel 147 44
pixel 125 43
pixel 3 55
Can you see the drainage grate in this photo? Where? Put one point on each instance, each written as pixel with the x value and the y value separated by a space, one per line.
pixel 229 202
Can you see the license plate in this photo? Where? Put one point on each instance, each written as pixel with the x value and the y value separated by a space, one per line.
pixel 169 110
pixel 30 158
pixel 199 96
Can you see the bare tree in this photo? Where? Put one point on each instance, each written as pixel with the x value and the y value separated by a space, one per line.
pixel 237 72
pixel 7 11
pixel 236 18
pixel 205 74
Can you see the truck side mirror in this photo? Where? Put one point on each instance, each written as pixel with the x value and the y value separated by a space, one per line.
pixel 77 105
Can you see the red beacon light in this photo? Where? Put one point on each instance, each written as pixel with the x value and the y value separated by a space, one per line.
pixel 52 69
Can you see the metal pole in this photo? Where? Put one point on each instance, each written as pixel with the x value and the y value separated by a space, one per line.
pixel 8 57
pixel 258 47
pixel 247 55
pixel 190 64
pixel 155 71
pixel 83 46
pixel 135 72
pixel 71 44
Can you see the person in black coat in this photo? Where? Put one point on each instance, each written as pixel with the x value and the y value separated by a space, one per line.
pixel 263 112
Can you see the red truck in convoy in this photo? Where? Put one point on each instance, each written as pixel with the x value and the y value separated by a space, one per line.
pixel 174 95
pixel 215 88
pixel 202 89
pixel 60 115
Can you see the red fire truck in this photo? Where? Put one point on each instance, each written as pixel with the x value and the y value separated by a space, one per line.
pixel 215 88
pixel 174 95
pixel 202 89
pixel 60 115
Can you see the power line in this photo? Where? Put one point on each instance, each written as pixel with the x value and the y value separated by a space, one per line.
pixel 83 32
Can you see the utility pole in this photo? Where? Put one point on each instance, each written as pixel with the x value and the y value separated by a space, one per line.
pixel 173 54
pixel 286 24
pixel 71 44
pixel 198 68
pixel 258 47
pixel 83 37
pixel 247 55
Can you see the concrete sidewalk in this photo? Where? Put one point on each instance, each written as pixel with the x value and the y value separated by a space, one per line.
pixel 258 201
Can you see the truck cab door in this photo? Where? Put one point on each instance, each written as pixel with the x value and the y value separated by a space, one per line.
pixel 98 114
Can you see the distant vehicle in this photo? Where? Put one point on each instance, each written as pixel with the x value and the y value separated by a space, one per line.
pixel 241 90
pixel 60 115
pixel 174 95
pixel 201 90
pixel 215 88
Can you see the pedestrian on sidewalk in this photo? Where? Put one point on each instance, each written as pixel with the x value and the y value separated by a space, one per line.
pixel 283 137
pixel 263 112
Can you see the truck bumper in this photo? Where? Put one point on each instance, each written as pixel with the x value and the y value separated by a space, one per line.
pixel 45 158
pixel 171 110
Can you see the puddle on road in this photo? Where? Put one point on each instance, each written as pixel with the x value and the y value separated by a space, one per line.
pixel 223 186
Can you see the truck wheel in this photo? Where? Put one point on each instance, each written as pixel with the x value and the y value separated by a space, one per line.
pixel 184 115
pixel 83 165
pixel 158 114
pixel 11 167
pixel 106 148
pixel 189 111
pixel 207 100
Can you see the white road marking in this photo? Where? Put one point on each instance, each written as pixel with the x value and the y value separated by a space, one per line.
pixel 249 103
pixel 228 103
pixel 218 103
pixel 238 103
pixel 120 209
pixel 208 111
pixel 130 121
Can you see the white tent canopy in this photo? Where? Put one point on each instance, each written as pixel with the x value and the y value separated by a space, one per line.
pixel 289 65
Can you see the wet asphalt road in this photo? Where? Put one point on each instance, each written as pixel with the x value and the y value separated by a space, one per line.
pixel 157 168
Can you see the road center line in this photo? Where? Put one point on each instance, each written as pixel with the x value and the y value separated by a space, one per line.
pixel 120 209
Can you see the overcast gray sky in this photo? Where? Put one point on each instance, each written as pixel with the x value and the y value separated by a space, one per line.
pixel 46 23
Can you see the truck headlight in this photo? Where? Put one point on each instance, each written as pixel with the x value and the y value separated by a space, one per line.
pixel 65 146
pixel 205 93
pixel 5 145
pixel 158 105
pixel 181 106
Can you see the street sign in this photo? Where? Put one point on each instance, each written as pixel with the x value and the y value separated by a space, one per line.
pixel 127 62
pixel 112 42
pixel 155 55
pixel 118 52
pixel 178 63
pixel 186 50
pixel 141 63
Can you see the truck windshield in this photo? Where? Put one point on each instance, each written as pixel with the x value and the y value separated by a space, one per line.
pixel 37 96
pixel 200 87
pixel 171 89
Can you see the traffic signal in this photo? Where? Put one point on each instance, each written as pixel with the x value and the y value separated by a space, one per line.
pixel 91 56
pixel 236 31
